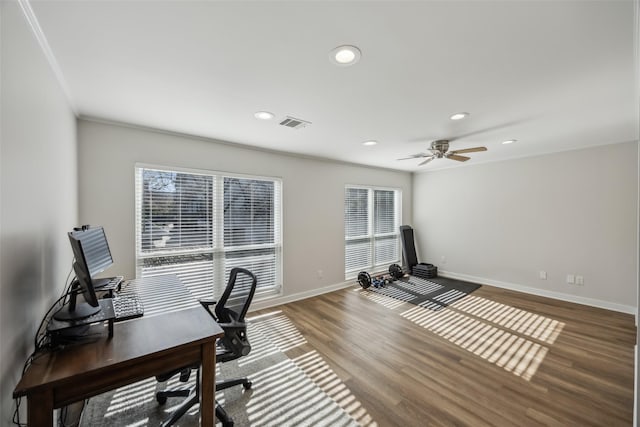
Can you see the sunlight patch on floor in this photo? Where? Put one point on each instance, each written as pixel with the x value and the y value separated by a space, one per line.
pixel 279 330
pixel 131 396
pixel 283 395
pixel 479 327
pixel 321 373
pixel 383 300
pixel 521 321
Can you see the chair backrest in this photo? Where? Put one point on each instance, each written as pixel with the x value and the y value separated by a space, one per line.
pixel 234 302
pixel 230 311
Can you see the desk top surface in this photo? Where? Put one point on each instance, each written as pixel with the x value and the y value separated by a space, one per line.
pixel 173 318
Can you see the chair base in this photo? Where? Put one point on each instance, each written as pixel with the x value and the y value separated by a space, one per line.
pixel 193 397
pixel 191 400
pixel 222 385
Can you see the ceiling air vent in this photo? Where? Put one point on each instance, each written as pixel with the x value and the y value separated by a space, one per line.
pixel 292 122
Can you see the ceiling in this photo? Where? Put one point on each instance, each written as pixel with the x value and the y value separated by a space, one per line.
pixel 554 75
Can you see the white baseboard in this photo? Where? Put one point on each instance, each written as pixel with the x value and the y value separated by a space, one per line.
pixel 272 302
pixel 542 292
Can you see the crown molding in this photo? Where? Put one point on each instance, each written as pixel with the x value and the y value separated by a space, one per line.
pixel 46 49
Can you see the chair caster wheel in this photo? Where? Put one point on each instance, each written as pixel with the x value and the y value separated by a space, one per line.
pixel 247 385
pixel 161 399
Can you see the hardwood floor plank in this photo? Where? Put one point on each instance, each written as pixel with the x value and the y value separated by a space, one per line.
pixel 495 357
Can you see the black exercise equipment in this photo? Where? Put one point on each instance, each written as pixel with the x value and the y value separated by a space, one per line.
pixel 396 272
pixel 423 270
pixel 364 279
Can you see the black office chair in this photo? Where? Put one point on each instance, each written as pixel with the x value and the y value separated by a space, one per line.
pixel 229 312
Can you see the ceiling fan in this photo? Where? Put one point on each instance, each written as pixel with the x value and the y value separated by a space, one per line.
pixel 439 149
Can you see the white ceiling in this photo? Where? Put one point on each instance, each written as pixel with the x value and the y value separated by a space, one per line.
pixel 554 75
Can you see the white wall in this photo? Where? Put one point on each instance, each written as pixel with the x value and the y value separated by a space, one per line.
pixel 38 189
pixel 313 194
pixel 566 213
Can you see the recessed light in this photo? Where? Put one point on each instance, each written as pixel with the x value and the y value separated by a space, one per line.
pixel 509 141
pixel 345 55
pixel 458 116
pixel 263 115
pixel 369 143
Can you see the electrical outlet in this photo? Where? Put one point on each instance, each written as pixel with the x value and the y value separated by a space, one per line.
pixel 580 280
pixel 320 274
pixel 571 279
pixel 543 275
pixel 443 259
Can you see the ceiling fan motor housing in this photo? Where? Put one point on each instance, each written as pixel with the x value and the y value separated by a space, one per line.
pixel 441 145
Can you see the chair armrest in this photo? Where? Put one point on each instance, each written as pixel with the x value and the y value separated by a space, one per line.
pixel 207 304
pixel 233 325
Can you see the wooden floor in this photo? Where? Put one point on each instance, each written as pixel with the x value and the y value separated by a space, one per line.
pixel 495 357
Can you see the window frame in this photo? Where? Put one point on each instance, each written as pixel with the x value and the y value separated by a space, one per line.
pixel 371 235
pixel 217 250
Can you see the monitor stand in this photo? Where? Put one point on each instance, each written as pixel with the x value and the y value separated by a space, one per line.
pixel 74 311
pixel 65 331
pixel 78 312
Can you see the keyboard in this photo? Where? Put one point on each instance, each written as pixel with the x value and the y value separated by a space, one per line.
pixel 127 306
pixel 108 283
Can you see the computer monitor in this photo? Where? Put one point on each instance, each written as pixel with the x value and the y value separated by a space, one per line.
pixel 92 256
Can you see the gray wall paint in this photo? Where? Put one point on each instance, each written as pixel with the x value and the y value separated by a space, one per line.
pixel 38 202
pixel 313 194
pixel 566 213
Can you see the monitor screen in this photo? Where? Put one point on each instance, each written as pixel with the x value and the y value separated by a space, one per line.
pixel 92 256
pixel 94 248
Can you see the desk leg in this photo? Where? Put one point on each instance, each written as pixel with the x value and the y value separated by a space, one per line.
pixel 40 409
pixel 208 385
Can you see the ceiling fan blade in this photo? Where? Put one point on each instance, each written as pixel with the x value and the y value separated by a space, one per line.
pixel 458 158
pixel 468 150
pixel 415 156
pixel 426 161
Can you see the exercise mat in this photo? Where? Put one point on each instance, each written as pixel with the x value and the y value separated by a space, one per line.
pixel 434 294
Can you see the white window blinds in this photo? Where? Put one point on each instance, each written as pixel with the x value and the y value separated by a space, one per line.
pixel 357 248
pixel 200 225
pixel 371 218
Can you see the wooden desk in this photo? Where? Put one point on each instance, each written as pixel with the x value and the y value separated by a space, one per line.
pixel 158 342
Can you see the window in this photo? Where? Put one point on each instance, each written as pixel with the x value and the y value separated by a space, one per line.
pixel 371 229
pixel 200 225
